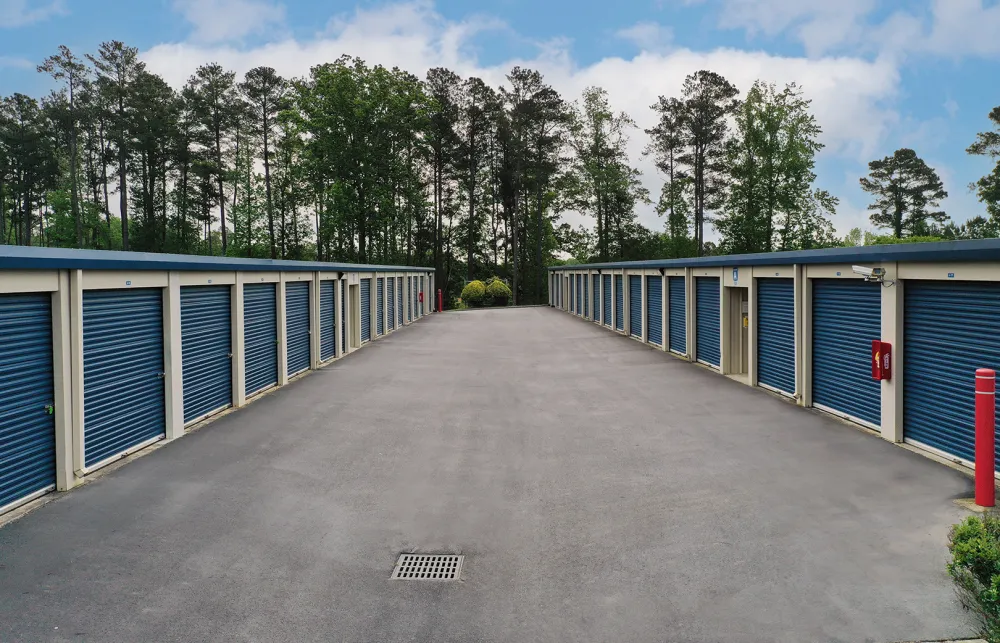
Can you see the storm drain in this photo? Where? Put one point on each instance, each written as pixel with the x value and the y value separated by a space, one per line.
pixel 428 567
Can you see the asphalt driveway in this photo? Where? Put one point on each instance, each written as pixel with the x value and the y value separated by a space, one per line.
pixel 601 491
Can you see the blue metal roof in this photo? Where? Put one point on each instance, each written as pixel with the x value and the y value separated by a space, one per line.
pixel 936 251
pixel 33 258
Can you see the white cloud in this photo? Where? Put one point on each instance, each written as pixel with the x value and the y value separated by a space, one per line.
pixel 851 96
pixel 951 107
pixel 648 36
pixel 224 20
pixel 964 27
pixel 17 13
pixel 13 62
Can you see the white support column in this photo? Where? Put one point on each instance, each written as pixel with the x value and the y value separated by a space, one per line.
pixel 76 368
pixel 752 334
pixel 173 368
pixel 314 323
pixel 239 347
pixel 282 332
pixel 725 328
pixel 892 332
pixel 689 316
pixel 62 369
pixel 803 328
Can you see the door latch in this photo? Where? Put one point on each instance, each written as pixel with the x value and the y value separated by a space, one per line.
pixel 50 409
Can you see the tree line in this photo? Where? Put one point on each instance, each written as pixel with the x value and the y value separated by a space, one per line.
pixel 368 164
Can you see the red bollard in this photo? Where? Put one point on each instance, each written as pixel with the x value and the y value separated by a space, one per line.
pixel 440 301
pixel 986 385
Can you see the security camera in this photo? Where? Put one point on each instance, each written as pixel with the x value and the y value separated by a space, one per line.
pixel 870 274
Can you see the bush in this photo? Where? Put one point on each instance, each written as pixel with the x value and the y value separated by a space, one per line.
pixel 975 567
pixel 498 292
pixel 474 293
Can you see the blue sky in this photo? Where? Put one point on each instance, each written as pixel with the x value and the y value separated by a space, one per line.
pixel 883 74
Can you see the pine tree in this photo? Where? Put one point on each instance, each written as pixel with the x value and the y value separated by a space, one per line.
pixel 988 187
pixel 906 190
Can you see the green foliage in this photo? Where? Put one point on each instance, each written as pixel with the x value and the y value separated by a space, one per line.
pixel 498 291
pixel 474 293
pixel 988 144
pixel 906 192
pixel 975 567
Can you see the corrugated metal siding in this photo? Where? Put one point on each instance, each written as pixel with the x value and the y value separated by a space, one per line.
pixel 654 310
pixel 607 300
pixel 619 303
pixel 366 310
pixel 409 294
pixel 260 336
pixel 343 316
pixel 678 315
pixel 123 403
pixel 379 306
pixel 297 326
pixel 327 320
pixel 949 331
pixel 707 301
pixel 27 428
pixel 579 294
pixel 586 297
pixel 635 305
pixel 206 349
pixel 776 334
pixel 391 302
pixel 421 290
pixel 597 294
pixel 846 317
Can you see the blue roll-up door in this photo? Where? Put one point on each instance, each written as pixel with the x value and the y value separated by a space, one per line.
pixel 327 320
pixel 399 300
pixel 654 310
pixel 366 310
pixel 846 317
pixel 343 316
pixel 379 302
pixel 596 299
pixel 206 349
pixel 776 334
pixel 949 330
pixel 635 305
pixel 677 318
pixel 297 326
pixel 607 300
pixel 579 294
pixel 123 404
pixel 409 298
pixel 707 301
pixel 27 426
pixel 260 336
pixel 619 304
pixel 421 300
pixel 391 301
pixel 587 312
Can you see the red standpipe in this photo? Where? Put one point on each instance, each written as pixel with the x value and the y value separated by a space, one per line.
pixel 986 385
pixel 440 301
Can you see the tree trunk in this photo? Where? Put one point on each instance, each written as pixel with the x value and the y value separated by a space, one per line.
pixel 222 195
pixel 267 189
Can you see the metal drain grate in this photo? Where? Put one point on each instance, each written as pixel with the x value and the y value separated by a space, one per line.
pixel 428 567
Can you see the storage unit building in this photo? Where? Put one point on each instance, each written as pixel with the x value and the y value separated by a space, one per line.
pixel 327 320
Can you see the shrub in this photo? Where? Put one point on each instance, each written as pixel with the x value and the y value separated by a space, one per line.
pixel 975 567
pixel 474 293
pixel 498 292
